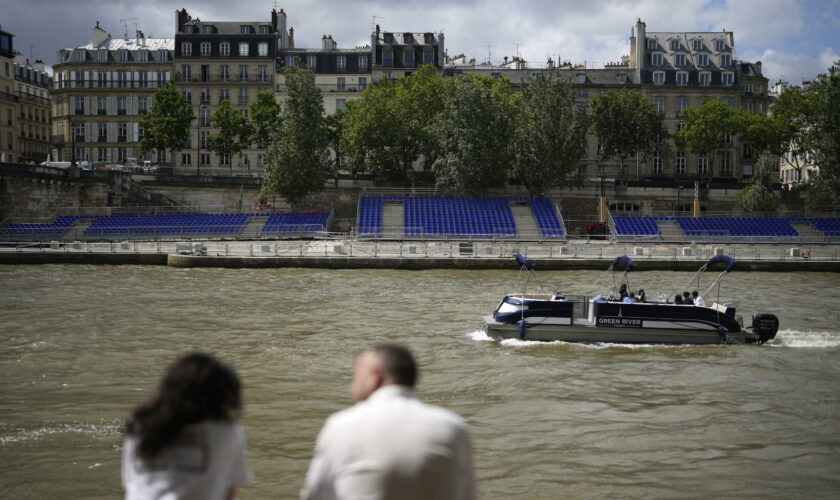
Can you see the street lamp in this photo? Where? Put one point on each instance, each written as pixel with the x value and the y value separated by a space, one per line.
pixel 679 190
pixel 198 139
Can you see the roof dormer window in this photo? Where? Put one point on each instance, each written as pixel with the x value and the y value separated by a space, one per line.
pixel 675 44
pixel 697 45
pixel 187 28
pixel 651 43
pixel 720 45
pixel 581 78
pixel 265 29
pixel 245 29
pixel 207 29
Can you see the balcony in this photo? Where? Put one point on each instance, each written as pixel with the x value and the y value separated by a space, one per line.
pixel 351 88
pixel 122 138
pixel 56 139
pixel 113 84
pixel 225 78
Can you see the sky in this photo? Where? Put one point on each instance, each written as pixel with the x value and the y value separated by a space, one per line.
pixel 794 40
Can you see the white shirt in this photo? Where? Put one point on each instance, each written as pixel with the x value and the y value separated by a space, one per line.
pixel 206 461
pixel 699 302
pixel 392 446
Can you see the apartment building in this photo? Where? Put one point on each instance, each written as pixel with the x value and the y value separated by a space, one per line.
pixel 341 74
pixel 99 91
pixel 32 87
pixel 224 60
pixel 398 54
pixel 8 99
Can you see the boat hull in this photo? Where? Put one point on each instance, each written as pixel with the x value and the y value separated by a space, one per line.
pixel 627 335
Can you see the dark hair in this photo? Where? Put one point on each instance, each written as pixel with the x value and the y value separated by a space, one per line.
pixel 196 387
pixel 686 294
pixel 694 293
pixel 678 299
pixel 397 363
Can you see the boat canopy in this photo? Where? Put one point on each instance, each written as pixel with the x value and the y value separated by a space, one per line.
pixel 623 259
pixel 524 262
pixel 730 262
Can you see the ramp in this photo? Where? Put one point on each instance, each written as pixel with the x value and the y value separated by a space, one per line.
pixel 393 219
pixel 526 223
pixel 670 230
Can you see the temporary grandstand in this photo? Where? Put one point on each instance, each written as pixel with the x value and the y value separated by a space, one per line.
pixel 186 223
pixel 433 215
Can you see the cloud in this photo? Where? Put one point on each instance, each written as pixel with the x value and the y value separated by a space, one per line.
pixel 790 67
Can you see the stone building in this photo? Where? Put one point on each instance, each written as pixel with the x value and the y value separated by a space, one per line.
pixel 394 55
pixel 32 86
pixel 99 91
pixel 224 60
pixel 8 99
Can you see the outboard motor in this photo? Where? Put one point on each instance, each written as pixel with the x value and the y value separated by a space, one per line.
pixel 765 325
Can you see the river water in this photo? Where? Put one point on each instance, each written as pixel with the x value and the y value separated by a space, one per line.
pixel 80 346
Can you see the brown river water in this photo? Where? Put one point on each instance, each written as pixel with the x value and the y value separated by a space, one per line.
pixel 80 346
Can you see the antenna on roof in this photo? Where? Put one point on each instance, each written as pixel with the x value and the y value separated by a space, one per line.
pixel 373 22
pixel 275 4
pixel 32 52
pixel 489 54
pixel 125 24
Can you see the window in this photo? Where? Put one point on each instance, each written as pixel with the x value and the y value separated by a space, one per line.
pixel 143 55
pixel 340 86
pixel 80 132
pixel 582 108
pixel 388 37
pixel 101 105
pixel 679 59
pixel 224 95
pixel 680 126
pixel 262 73
pixel 581 78
pixel 311 60
pixel 428 57
pixel 186 48
pixel 205 95
pixel 682 103
pixel 102 55
pixel 262 49
pixel 622 78
pixel 102 78
pixel 186 73
pixel 362 83
pixel 243 49
pixel 205 48
pixel 727 139
pixel 682 78
pixel 161 79
pixel 187 28
pixel 121 105
pixel 363 62
pixel 659 103
pixel 122 132
pixel 748 88
pixel 747 170
pixel 657 163
pixel 702 60
pixel 122 55
pixel 185 159
pixel 205 159
pixel 142 104
pixel 680 165
pixel 726 100
pixel 725 60
pixel 187 94
pixel 748 106
pixel 290 61
pixel 243 96
pixel 656 59
pixel 726 79
pixel 387 58
pixel 101 154
pixel 224 49
pixel 207 29
pixel 675 45
pixel 341 63
pixel 204 117
pixel 659 78
pixel 697 44
pixel 224 73
pixel 243 73
pixel 244 29
pixel 340 104
pixel 725 165
pixel 703 164
pixel 202 139
pixel 651 43
pixel 747 152
pixel 582 94
pixel 224 159
pixel 103 132
pixel 143 80
pixel 705 78
pixel 162 55
pixel 265 29
pixel 720 45
pixel 408 58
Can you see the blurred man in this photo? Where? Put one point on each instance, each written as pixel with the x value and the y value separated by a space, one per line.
pixel 390 445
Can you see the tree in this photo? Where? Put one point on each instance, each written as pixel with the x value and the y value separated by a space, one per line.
pixel 706 128
pixel 796 111
pixel 550 135
pixel 758 196
pixel 472 133
pixel 264 118
pixel 234 133
pixel 627 124
pixel 826 135
pixel 298 161
pixel 389 131
pixel 167 124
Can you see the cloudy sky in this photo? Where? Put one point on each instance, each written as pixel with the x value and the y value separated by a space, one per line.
pixel 793 39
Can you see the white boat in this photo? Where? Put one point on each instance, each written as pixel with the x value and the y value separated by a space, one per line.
pixel 596 318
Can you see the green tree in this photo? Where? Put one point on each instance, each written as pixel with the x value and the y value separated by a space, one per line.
pixel 390 130
pixel 234 133
pixel 167 124
pixel 550 135
pixel 298 160
pixel 826 193
pixel 264 118
pixel 706 128
pixel 759 196
pixel 796 110
pixel 626 125
pixel 473 136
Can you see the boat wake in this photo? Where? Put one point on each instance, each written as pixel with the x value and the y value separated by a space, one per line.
pixel 812 339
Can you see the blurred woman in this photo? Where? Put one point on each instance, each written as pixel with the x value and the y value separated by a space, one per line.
pixel 185 441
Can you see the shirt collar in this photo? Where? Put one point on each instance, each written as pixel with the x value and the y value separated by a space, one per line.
pixel 390 391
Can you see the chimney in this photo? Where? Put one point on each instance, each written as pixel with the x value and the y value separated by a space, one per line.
pixel 181 18
pixel 98 35
pixel 39 65
pixel 281 29
pixel 291 38
pixel 758 67
pixel 640 42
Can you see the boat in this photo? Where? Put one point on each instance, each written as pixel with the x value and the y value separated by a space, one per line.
pixel 598 318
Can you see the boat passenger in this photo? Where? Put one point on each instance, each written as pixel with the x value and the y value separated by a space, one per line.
pixel 622 292
pixel 630 298
pixel 687 300
pixel 678 299
pixel 698 300
pixel 641 295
